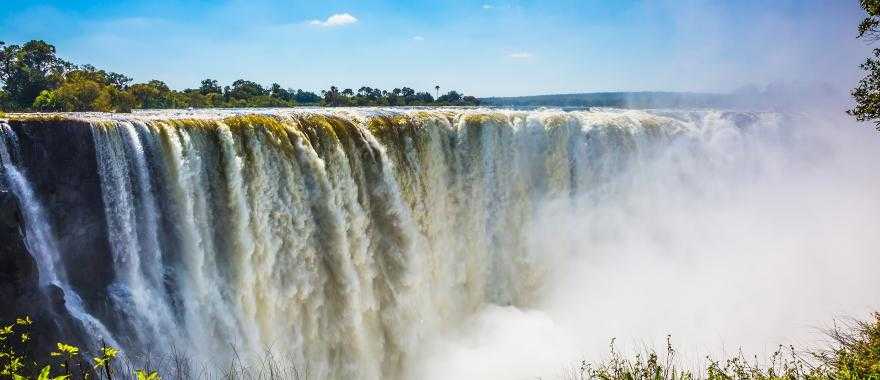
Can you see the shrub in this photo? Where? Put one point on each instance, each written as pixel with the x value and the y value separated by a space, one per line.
pixel 64 363
pixel 854 354
pixel 46 101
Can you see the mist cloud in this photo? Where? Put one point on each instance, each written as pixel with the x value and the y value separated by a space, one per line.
pixel 737 239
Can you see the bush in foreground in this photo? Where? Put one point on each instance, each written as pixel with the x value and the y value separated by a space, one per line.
pixel 854 354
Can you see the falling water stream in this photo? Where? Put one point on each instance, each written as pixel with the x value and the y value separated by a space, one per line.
pixel 343 238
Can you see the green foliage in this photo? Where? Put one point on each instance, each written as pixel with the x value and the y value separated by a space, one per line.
pixel 44 375
pixel 46 101
pixel 105 360
pixel 210 86
pixel 11 362
pixel 867 93
pixel 106 357
pixel 855 354
pixel 35 79
pixel 367 96
pixel 29 69
pixel 305 97
pixel 4 100
pixel 144 375
pixel 77 95
pixel 244 89
pixel 154 94
pixel 61 363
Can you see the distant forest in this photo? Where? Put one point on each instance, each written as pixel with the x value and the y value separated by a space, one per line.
pixel 34 78
pixel 615 99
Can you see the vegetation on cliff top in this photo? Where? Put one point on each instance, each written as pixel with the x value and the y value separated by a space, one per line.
pixel 34 78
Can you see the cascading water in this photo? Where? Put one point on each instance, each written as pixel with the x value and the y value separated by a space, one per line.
pixel 337 239
pixel 41 241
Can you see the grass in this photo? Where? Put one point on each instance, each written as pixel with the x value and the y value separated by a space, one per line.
pixel 853 354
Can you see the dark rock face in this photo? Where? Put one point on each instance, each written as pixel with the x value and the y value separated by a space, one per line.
pixel 58 160
pixel 20 290
pixel 18 270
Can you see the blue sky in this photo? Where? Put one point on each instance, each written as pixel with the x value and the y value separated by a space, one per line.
pixel 503 47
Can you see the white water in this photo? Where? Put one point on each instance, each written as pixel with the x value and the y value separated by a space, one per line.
pixel 479 243
pixel 41 242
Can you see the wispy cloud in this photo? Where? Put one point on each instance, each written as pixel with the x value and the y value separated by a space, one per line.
pixel 339 19
pixel 418 38
pixel 488 6
pixel 520 55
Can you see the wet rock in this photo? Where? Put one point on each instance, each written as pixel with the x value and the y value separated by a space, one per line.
pixel 19 280
pixel 58 158
pixel 18 270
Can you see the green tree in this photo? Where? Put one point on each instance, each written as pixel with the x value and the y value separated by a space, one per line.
pixel 46 101
pixel 116 80
pixel 470 101
pixel 867 93
pixel 120 100
pixel 331 96
pixel 87 89
pixel 4 100
pixel 210 86
pixel 423 98
pixel 244 89
pixel 393 97
pixel 153 94
pixel 278 92
pixel 78 95
pixel 29 69
pixel 306 97
pixel 451 97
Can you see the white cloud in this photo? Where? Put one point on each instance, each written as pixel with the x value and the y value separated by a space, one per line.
pixel 338 19
pixel 520 55
pixel 488 6
pixel 418 38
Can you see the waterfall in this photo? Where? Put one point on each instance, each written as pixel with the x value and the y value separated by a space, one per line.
pixel 336 240
pixel 40 240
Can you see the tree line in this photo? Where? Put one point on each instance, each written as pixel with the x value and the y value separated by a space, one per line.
pixel 34 78
pixel 867 93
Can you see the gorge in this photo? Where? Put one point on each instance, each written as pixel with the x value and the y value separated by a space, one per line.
pixel 347 239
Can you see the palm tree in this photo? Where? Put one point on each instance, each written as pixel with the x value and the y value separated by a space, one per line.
pixel 437 88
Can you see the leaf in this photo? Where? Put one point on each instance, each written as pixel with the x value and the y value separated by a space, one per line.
pixel 66 349
pixel 109 352
pixel 143 375
pixel 44 373
pixel 26 321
